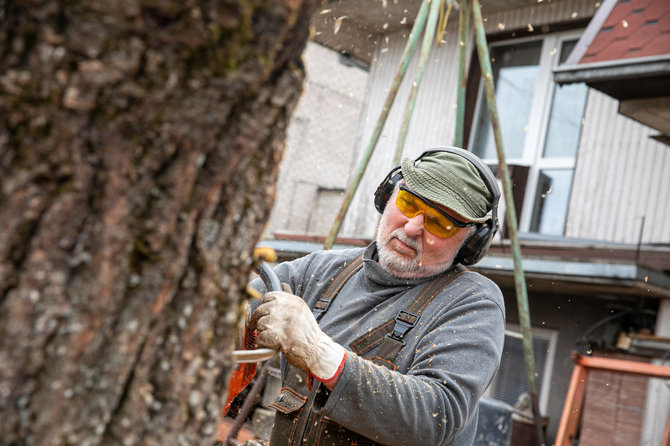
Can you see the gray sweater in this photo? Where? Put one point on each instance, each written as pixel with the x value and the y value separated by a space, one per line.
pixel 448 360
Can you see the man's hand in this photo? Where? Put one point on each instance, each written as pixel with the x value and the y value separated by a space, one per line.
pixel 284 322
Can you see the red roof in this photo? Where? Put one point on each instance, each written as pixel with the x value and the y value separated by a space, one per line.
pixel 634 28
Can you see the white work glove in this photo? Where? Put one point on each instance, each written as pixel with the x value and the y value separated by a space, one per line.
pixel 285 322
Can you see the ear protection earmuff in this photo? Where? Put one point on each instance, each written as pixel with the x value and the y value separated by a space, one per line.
pixel 478 244
pixel 386 188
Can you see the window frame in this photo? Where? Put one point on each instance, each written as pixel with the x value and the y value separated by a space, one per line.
pixel 538 124
pixel 544 387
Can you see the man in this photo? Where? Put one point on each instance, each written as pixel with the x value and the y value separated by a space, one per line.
pixel 393 344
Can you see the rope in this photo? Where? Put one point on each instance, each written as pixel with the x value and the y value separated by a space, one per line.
pixel 442 22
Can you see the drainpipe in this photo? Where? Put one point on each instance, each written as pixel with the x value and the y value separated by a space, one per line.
pixel 519 280
pixel 463 29
pixel 417 28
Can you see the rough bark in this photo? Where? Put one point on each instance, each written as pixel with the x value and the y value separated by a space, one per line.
pixel 139 145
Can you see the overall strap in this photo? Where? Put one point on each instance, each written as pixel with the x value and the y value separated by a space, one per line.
pixel 335 286
pixel 391 333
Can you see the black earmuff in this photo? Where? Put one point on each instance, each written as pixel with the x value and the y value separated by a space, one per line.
pixel 386 188
pixel 477 245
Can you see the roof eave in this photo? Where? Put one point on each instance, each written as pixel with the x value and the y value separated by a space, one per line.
pixel 623 69
pixel 588 278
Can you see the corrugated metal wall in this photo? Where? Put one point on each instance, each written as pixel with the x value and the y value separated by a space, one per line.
pixel 621 174
pixel 621 177
pixel 431 124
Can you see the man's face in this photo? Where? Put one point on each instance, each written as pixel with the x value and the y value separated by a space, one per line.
pixel 407 250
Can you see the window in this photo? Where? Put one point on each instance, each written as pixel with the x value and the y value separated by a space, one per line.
pixel 540 124
pixel 511 382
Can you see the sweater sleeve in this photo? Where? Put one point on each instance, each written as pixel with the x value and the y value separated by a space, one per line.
pixel 435 400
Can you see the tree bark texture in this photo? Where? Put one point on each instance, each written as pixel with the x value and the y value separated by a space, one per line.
pixel 139 147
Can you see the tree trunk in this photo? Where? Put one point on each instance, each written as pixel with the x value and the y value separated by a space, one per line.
pixel 139 146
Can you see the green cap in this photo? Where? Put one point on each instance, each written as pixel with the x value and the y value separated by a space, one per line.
pixel 452 181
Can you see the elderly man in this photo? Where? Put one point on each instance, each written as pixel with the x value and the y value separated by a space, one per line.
pixel 393 344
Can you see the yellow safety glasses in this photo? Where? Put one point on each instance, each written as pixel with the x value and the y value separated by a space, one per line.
pixel 435 220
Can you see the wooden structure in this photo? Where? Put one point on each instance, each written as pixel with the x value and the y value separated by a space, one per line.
pixel 572 410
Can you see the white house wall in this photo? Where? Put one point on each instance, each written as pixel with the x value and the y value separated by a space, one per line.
pixel 622 177
pixel 320 145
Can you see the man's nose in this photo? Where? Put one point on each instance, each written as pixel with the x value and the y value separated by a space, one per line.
pixel 414 226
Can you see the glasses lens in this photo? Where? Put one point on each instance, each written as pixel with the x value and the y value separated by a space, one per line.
pixel 438 225
pixel 408 204
pixel 434 222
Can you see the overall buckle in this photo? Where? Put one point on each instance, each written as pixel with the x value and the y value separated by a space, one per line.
pixel 404 321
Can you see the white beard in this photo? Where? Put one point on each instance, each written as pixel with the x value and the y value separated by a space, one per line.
pixel 401 266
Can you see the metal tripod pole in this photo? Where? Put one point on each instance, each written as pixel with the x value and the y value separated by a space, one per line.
pixel 519 279
pixel 418 26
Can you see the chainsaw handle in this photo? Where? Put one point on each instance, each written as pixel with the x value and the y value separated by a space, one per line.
pixel 268 276
pixel 272 283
